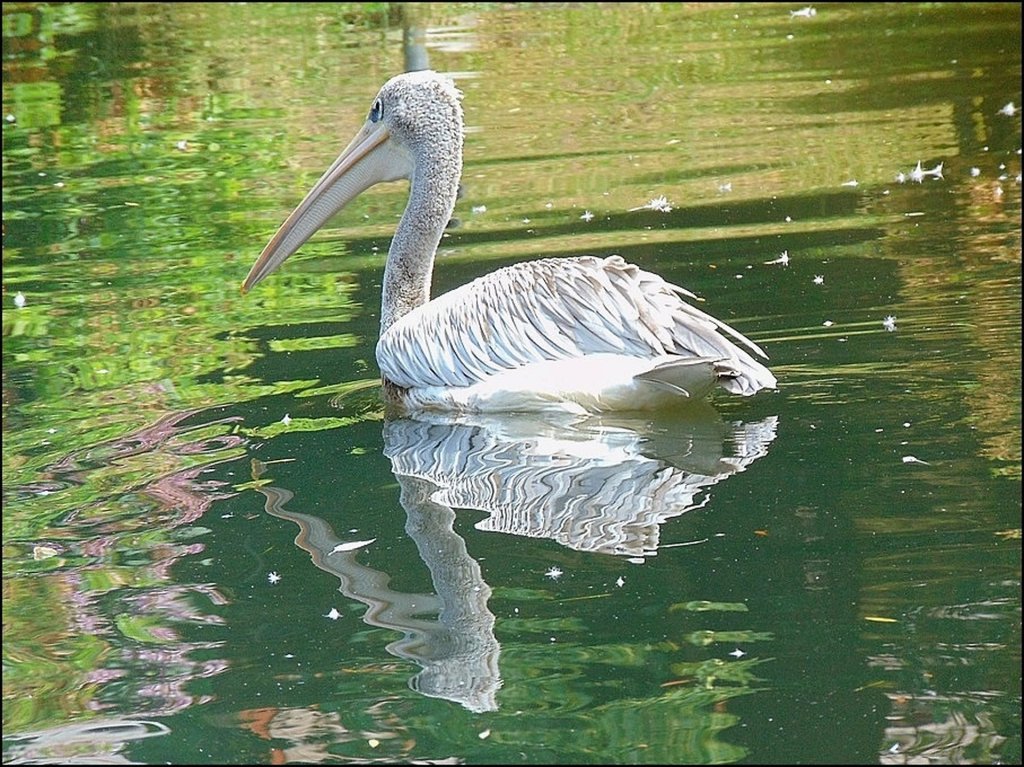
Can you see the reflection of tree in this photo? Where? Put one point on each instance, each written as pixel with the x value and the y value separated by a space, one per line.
pixel 954 277
pixel 119 621
pixel 596 485
pixel 414 34
pixel 956 286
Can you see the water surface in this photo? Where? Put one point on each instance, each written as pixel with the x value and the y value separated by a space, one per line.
pixel 217 548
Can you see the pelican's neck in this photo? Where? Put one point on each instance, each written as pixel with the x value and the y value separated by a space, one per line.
pixel 433 187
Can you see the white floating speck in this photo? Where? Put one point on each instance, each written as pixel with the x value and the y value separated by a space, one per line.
pixel 19 300
pixel 1009 110
pixel 660 204
pixel 479 208
pixel 819 279
pixel 333 614
pixel 554 573
pixel 587 216
pixel 10 118
pixel 804 13
pixel 737 653
pixel 918 174
pixel 889 323
pixel 620 581
pixel 914 459
pixel 484 735
pixel 851 183
pixel 782 259
pixel 828 323
pixel 351 545
pixel 975 172
pixel 286 420
pixel 273 577
pixel 182 146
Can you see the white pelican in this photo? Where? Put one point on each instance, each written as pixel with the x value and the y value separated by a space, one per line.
pixel 581 334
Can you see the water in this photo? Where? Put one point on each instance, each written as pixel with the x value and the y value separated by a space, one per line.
pixel 218 550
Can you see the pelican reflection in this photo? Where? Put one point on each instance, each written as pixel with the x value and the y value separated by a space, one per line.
pixel 591 484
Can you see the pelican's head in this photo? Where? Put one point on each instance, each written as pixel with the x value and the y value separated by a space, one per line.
pixel 416 117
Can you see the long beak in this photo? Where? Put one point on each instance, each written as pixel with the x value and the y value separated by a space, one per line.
pixel 369 159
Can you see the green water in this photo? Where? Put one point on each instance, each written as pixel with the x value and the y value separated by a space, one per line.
pixel 217 549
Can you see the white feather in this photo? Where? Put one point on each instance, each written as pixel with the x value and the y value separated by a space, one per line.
pixel 611 321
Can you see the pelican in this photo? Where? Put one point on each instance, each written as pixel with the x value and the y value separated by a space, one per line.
pixel 582 334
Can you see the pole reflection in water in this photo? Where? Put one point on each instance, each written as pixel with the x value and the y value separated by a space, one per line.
pixel 603 485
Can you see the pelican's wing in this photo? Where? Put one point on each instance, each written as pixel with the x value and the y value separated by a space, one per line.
pixel 552 309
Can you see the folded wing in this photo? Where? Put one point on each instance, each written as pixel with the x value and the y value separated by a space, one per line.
pixel 562 308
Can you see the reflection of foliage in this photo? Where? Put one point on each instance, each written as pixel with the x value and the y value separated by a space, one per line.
pixel 119 219
pixel 677 724
pixel 707 637
pixel 142 628
pixel 154 146
pixel 112 510
pixel 716 672
pixel 703 605
pixel 38 652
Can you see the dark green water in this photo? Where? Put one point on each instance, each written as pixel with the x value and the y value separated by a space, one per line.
pixel 827 573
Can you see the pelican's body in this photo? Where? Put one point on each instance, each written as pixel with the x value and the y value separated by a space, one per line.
pixel 583 334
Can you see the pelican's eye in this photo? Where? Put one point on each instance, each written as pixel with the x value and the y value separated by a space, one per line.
pixel 376 111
